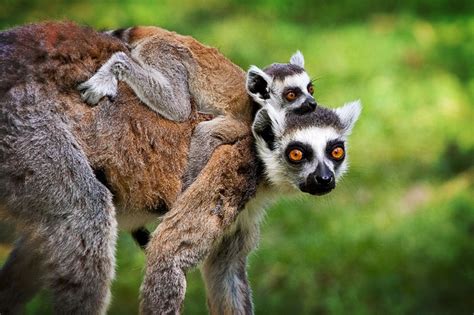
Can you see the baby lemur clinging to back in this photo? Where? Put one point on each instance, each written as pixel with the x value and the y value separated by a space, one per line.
pixel 164 72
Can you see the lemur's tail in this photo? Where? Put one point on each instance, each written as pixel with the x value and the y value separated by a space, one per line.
pixel 121 33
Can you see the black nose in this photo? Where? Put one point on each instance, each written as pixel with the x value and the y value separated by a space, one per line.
pixel 308 106
pixel 312 104
pixel 325 179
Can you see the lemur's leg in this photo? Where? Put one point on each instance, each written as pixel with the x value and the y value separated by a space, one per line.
pixel 198 218
pixel 167 96
pixel 224 271
pixel 207 136
pixel 20 277
pixel 65 211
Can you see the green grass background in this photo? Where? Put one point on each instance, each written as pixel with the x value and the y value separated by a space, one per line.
pixel 397 235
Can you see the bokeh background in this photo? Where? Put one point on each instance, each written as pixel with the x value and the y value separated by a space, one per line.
pixel 397 235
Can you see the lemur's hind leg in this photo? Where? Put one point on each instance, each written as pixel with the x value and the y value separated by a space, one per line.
pixel 207 136
pixel 168 96
pixel 20 277
pixel 198 218
pixel 50 190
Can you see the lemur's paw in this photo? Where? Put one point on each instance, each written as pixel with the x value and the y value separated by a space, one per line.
pixel 120 65
pixel 98 86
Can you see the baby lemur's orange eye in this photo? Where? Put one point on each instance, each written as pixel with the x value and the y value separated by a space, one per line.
pixel 311 89
pixel 295 155
pixel 290 96
pixel 337 153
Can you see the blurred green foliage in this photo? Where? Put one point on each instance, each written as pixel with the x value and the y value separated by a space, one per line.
pixel 397 236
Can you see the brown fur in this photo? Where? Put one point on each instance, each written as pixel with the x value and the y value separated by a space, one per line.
pixel 209 68
pixel 142 155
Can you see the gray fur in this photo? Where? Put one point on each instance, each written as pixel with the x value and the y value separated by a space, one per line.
pixel 321 117
pixel 71 223
pixel 202 145
pixel 165 92
pixel 280 71
pixel 207 136
pixel 297 59
pixel 224 272
pixel 21 277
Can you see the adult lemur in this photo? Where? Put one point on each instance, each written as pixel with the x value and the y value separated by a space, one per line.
pixel 56 154
pixel 297 150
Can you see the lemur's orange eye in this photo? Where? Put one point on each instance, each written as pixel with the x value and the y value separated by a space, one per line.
pixel 337 153
pixel 295 155
pixel 290 96
pixel 311 89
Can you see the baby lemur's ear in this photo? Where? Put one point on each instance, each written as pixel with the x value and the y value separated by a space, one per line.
pixel 258 85
pixel 348 115
pixel 297 59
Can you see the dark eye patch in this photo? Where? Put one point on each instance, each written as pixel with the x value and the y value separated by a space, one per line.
pixel 331 145
pixel 310 88
pixel 306 149
pixel 295 90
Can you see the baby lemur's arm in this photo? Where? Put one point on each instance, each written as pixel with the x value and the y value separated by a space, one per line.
pixel 167 96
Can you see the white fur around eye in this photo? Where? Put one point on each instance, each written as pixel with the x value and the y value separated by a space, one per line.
pixel 317 138
pixel 300 80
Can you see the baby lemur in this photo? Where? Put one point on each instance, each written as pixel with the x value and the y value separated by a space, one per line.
pixel 165 73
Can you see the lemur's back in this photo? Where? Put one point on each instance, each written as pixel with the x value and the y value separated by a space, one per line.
pixel 130 148
pixel 62 53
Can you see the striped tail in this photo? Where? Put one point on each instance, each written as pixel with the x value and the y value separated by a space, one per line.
pixel 122 33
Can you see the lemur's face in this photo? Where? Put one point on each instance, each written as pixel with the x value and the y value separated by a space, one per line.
pixel 283 86
pixel 305 152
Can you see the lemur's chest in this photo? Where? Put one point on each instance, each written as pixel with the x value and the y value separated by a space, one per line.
pixel 251 216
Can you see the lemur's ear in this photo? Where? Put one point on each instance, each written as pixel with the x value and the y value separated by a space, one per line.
pixel 348 114
pixel 262 128
pixel 258 85
pixel 297 59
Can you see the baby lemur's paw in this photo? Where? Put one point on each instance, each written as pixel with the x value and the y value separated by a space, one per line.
pixel 121 66
pixel 101 84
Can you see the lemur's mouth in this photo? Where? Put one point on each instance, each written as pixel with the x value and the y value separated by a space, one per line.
pixel 317 190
